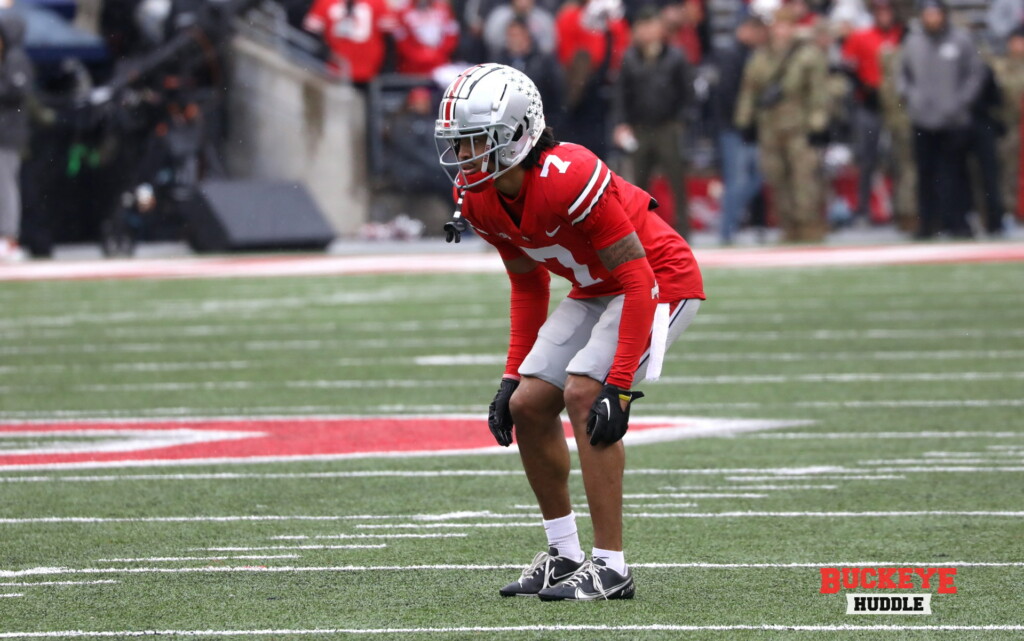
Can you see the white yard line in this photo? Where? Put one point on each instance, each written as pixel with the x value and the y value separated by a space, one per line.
pixel 645 506
pixel 931 434
pixel 304 537
pixel 279 411
pixel 765 627
pixel 532 629
pixel 30 584
pixel 368 546
pixel 697 495
pixel 331 384
pixel 216 569
pixel 173 559
pixel 11 596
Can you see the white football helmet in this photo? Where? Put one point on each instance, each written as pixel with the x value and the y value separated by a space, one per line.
pixel 494 100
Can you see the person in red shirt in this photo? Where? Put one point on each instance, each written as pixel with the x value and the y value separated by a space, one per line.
pixel 426 36
pixel 354 31
pixel 550 207
pixel 862 53
pixel 592 38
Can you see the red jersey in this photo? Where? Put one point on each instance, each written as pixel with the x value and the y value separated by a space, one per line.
pixel 570 206
pixel 863 51
pixel 573 36
pixel 354 31
pixel 426 37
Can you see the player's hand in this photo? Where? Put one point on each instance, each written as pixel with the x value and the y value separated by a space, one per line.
pixel 609 415
pixel 499 418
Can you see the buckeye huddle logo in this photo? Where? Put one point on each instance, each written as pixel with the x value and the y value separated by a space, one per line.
pixel 879 580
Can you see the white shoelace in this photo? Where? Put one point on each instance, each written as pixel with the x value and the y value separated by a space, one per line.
pixel 539 562
pixel 588 569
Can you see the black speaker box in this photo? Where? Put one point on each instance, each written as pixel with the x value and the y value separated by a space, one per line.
pixel 249 215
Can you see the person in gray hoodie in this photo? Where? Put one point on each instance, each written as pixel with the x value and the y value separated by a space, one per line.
pixel 940 78
pixel 15 84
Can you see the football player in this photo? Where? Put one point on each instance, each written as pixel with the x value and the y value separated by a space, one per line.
pixel 551 207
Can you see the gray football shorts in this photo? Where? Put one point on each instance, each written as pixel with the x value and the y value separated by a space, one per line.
pixel 581 336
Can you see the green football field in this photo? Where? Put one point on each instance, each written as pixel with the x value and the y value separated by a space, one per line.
pixel 885 427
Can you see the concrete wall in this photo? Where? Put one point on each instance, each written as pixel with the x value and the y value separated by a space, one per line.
pixel 287 122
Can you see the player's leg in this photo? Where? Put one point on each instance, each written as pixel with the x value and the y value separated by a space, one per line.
pixel 535 408
pixel 604 465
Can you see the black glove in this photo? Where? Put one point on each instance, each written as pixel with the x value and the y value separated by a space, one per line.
pixel 608 422
pixel 818 139
pixel 499 418
pixel 749 134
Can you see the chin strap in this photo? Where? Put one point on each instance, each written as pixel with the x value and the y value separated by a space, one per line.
pixel 453 228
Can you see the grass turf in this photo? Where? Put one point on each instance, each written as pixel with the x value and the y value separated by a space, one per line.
pixel 907 350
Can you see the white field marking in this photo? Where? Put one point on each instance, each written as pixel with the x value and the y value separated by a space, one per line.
pixel 782 487
pixel 696 495
pixel 645 506
pixel 327 411
pixel 655 627
pixel 213 569
pixel 933 434
pixel 761 379
pixel 306 537
pixel 354 546
pixel 810 477
pixel 174 559
pixel 937 464
pixel 413 526
pixel 1005 447
pixel 959 455
pixel 32 584
pixel 11 596
pixel 77 440
pixel 330 384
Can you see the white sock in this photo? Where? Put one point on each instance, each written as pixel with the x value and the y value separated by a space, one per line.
pixel 563 536
pixel 614 560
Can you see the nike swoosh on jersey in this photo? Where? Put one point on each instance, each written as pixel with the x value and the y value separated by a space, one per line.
pixel 551 234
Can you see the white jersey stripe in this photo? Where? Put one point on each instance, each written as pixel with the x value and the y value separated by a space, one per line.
pixel 597 197
pixel 586 190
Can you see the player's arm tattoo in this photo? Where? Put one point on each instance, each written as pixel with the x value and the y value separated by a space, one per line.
pixel 621 251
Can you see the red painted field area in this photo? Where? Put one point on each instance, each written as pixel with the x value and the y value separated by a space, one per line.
pixel 164 442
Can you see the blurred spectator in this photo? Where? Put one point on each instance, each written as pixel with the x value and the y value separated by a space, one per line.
pixel 539 21
pixel 650 102
pixel 521 53
pixel 426 36
pixel 848 16
pixel 1009 70
pixel 940 78
pixel 862 53
pixel 689 26
pixel 986 129
pixel 410 153
pixel 740 174
pixel 1003 17
pixel 592 38
pixel 901 136
pixel 354 31
pixel 118 28
pixel 783 102
pixel 15 85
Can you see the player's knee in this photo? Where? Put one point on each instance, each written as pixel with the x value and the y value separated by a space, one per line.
pixel 524 413
pixel 579 394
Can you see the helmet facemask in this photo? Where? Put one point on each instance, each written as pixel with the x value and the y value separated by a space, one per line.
pixel 497 148
pixel 496 111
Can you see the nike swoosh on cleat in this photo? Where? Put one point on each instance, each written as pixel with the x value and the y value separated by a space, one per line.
pixel 583 596
pixel 556 579
pixel 551 234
